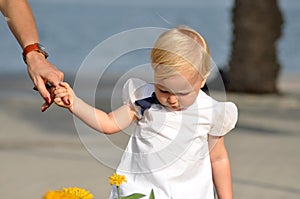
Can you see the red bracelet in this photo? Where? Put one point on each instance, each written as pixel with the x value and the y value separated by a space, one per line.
pixel 34 47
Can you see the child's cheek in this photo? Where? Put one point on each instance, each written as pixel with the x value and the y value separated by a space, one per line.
pixel 161 98
pixel 186 101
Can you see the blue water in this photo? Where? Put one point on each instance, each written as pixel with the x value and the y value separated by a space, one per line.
pixel 70 29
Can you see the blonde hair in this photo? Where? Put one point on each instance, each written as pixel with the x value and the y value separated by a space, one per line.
pixel 177 49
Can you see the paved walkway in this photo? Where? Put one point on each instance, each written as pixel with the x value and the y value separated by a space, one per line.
pixel 42 151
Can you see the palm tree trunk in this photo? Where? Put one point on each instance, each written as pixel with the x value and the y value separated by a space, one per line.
pixel 253 66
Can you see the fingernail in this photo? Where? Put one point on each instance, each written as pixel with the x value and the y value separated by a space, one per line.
pixel 47 100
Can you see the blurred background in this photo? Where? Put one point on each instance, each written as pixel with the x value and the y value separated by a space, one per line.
pixel 70 29
pixel 42 151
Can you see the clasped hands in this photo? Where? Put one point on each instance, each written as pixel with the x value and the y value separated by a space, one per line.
pixel 62 95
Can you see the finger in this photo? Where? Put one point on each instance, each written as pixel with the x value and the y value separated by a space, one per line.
pixel 62 95
pixel 48 86
pixel 60 91
pixel 45 106
pixel 58 101
pixel 55 78
pixel 66 100
pixel 64 84
pixel 40 85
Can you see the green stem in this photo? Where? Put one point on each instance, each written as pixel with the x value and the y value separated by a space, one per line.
pixel 118 192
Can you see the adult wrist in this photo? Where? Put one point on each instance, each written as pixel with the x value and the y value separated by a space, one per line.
pixel 36 47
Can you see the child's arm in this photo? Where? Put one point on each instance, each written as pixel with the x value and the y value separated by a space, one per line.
pixel 95 118
pixel 220 167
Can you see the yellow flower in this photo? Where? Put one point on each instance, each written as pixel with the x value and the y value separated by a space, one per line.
pixel 78 192
pixel 117 179
pixel 58 195
pixel 69 193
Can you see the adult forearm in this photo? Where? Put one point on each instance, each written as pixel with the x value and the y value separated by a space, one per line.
pixel 20 20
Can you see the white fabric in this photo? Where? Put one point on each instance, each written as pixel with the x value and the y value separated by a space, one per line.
pixel 169 152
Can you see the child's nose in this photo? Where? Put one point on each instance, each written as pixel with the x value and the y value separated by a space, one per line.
pixel 172 99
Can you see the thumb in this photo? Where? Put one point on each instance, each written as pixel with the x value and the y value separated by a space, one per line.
pixel 66 100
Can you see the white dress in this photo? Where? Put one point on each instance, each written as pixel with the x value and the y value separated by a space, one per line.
pixel 168 152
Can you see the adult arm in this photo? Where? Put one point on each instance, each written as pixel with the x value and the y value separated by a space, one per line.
pixel 21 22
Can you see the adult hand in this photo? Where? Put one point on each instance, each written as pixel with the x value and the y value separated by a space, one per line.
pixel 41 72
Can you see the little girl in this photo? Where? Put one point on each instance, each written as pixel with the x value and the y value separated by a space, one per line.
pixel 178 146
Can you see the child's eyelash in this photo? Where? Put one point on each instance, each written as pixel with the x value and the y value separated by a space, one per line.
pixel 179 94
pixel 182 94
pixel 163 91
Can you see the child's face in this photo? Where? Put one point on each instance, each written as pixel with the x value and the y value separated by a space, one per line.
pixel 178 91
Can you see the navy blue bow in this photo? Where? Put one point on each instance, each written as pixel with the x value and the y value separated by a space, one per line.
pixel 147 102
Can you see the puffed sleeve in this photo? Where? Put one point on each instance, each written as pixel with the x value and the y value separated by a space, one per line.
pixel 224 118
pixel 135 89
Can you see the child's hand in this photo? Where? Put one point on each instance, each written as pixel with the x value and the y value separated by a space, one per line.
pixel 64 90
